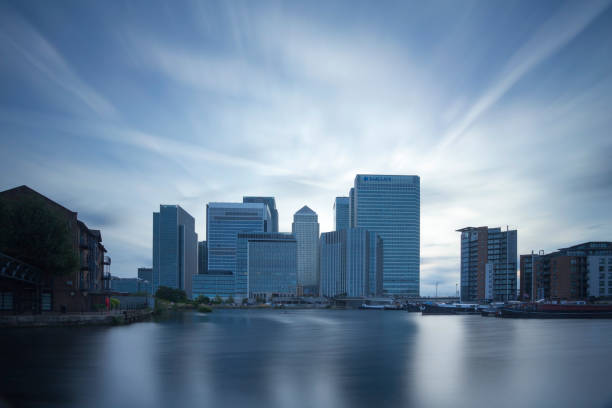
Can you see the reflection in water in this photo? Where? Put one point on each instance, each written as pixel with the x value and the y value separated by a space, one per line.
pixel 267 358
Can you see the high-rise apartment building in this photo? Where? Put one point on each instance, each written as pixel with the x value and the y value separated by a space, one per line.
pixel 572 273
pixel 351 263
pixel 266 265
pixel 175 248
pixel 390 206
pixel 305 228
pixel 488 264
pixel 271 203
pixel 223 223
pixel 341 213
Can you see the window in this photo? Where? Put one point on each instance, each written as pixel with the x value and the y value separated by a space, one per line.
pixel 601 268
pixel 45 302
pixel 6 300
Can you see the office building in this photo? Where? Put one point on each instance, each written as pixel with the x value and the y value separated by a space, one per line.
pixel 268 263
pixel 223 223
pixel 175 248
pixel 305 228
pixel 130 285
pixel 488 264
pixel 390 206
pixel 202 257
pixel 352 207
pixel 351 263
pixel 341 213
pixel 213 284
pixel 145 274
pixel 572 273
pixel 271 203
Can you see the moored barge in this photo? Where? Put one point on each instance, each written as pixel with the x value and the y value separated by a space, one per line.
pixel 557 311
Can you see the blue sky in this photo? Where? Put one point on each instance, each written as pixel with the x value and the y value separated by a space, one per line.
pixel 503 108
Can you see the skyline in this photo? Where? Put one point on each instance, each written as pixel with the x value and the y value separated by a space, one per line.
pixel 502 110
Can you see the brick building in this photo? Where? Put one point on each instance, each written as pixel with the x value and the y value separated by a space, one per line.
pixel 28 289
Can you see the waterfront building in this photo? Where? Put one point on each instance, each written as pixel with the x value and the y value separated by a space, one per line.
pixel 390 206
pixel 214 283
pixel 269 262
pixel 145 274
pixel 351 263
pixel 130 285
pixel 305 228
pixel 526 276
pixel 271 203
pixel 202 257
pixel 573 273
pixel 352 207
pixel 175 248
pixel 341 213
pixel 223 223
pixel 488 264
pixel 27 288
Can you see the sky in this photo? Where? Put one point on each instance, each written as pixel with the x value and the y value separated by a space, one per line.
pixel 503 108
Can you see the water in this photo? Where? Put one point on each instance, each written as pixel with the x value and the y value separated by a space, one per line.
pixel 311 358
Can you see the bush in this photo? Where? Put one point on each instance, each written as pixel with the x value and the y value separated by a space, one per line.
pixel 202 299
pixel 217 300
pixel 204 309
pixel 114 303
pixel 171 294
pixel 230 300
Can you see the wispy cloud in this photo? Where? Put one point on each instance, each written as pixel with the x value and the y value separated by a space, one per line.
pixel 28 44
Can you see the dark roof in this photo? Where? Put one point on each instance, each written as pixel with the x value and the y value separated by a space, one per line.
pixel 27 190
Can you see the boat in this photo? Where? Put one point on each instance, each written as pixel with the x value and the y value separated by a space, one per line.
pixel 449 309
pixel 379 307
pixel 557 311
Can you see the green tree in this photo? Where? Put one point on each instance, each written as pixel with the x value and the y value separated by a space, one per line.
pixel 36 234
pixel 217 300
pixel 171 294
pixel 230 300
pixel 202 299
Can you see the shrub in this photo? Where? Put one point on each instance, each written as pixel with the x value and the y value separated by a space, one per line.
pixel 171 294
pixel 204 309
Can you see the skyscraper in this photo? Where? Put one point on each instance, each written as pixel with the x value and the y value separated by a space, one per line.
pixel 202 257
pixel 223 223
pixel 341 213
pixel 390 206
pixel 175 248
pixel 271 203
pixel 305 228
pixel 351 263
pixel 488 264
pixel 269 261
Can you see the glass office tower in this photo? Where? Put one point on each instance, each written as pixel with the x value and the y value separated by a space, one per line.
pixel 341 213
pixel 269 263
pixel 271 203
pixel 305 228
pixel 175 248
pixel 390 205
pixel 223 223
pixel 350 263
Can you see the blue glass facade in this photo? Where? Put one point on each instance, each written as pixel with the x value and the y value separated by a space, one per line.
pixel 202 257
pixel 130 285
pixel 390 206
pixel 212 284
pixel 269 263
pixel 305 228
pixel 351 263
pixel 271 203
pixel 223 223
pixel 175 248
pixel 341 213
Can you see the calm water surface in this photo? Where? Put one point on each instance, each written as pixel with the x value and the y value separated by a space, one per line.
pixel 311 358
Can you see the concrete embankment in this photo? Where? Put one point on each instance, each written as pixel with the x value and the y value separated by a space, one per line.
pixel 80 319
